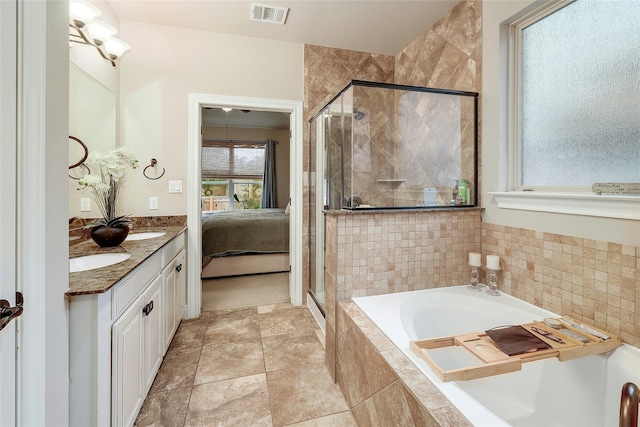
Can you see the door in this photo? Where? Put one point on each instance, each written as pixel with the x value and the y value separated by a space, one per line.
pixel 34 350
pixel 128 350
pixel 153 338
pixel 180 289
pixel 8 207
pixel 169 274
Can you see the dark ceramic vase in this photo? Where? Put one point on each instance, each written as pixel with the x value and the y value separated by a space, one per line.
pixel 107 237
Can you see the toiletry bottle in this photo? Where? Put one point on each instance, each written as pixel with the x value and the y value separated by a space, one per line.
pixel 463 191
pixel 454 196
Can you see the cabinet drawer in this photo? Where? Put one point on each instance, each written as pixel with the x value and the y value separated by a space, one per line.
pixel 172 248
pixel 131 286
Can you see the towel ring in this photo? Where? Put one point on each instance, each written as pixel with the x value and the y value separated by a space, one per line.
pixel 86 152
pixel 83 165
pixel 153 164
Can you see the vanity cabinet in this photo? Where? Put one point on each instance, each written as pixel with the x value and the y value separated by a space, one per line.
pixel 138 349
pixel 118 338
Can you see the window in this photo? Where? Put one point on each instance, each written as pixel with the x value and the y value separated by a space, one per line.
pixel 572 108
pixel 232 175
pixel 578 119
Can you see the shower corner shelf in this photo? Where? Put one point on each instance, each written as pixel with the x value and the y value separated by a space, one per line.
pixel 392 180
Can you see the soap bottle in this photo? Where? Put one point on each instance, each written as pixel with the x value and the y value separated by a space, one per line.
pixel 463 190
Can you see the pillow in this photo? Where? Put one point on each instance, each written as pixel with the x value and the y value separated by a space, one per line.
pixel 288 208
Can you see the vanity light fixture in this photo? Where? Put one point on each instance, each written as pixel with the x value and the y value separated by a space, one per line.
pixel 86 29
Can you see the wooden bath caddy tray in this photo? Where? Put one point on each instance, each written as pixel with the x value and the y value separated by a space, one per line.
pixel 493 361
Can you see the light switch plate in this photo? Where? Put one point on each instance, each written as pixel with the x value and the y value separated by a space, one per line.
pixel 153 203
pixel 175 186
pixel 85 204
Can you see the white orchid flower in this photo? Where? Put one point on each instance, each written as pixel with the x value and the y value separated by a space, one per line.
pixel 109 171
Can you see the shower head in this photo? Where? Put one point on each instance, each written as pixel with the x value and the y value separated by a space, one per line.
pixel 357 114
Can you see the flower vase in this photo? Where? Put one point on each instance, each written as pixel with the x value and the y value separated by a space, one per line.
pixel 107 237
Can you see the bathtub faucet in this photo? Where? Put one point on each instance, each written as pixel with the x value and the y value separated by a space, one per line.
pixel 629 401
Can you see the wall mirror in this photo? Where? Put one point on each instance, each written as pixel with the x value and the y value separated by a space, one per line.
pixel 92 119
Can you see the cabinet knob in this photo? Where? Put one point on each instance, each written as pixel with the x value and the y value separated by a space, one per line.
pixel 179 268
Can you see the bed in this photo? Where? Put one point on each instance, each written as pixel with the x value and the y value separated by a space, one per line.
pixel 243 242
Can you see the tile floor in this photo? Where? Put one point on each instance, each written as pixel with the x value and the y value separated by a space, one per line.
pixel 257 366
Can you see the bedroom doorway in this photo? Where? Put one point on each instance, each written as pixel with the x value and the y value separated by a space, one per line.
pixel 233 130
pixel 245 216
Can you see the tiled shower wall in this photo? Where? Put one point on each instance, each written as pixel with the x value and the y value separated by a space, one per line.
pixel 326 72
pixel 390 252
pixel 445 56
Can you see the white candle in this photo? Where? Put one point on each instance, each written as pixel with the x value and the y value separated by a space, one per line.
pixel 475 259
pixel 493 262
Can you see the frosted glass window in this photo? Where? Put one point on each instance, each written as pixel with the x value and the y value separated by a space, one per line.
pixel 580 95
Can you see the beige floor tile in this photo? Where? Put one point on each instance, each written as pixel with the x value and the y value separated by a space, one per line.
pixel 229 360
pixel 190 333
pixel 268 308
pixel 232 327
pixel 178 369
pixel 225 353
pixel 342 419
pixel 165 408
pixel 301 394
pixel 292 322
pixel 237 402
pixel 284 351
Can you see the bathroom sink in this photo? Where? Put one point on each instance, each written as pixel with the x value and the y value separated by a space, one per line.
pixel 91 262
pixel 145 235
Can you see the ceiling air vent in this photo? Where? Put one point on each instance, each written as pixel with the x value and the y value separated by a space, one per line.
pixel 266 13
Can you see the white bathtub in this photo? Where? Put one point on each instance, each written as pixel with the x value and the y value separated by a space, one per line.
pixel 581 392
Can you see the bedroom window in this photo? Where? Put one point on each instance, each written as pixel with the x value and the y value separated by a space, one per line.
pixel 231 194
pixel 577 71
pixel 232 175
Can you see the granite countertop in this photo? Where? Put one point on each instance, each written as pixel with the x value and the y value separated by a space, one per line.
pixel 102 279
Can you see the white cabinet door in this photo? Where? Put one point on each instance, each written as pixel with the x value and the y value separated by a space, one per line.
pixel 181 287
pixel 138 349
pixel 128 347
pixel 169 286
pixel 175 295
pixel 153 338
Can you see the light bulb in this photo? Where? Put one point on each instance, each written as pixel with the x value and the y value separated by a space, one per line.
pixel 82 12
pixel 100 31
pixel 116 47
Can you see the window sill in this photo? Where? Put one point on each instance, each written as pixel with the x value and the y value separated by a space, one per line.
pixel 605 205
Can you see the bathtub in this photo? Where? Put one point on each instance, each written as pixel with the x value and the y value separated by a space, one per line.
pixel 581 392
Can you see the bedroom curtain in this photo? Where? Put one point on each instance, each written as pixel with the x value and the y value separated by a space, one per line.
pixel 269 177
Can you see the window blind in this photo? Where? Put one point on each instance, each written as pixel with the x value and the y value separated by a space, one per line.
pixel 232 160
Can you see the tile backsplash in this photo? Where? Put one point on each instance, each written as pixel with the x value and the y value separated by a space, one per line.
pixel 593 281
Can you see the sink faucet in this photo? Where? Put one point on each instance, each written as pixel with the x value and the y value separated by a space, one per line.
pixel 629 401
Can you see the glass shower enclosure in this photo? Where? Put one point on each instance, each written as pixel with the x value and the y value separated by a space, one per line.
pixel 378 146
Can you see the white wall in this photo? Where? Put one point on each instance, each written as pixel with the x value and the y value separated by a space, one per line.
pixel 494 150
pixel 164 65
